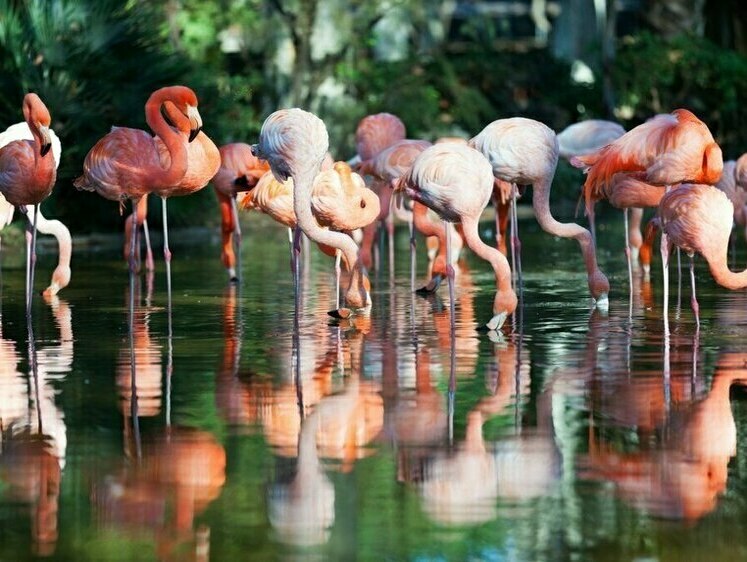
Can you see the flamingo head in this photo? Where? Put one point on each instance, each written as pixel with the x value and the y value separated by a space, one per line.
pixel 60 280
pixel 185 101
pixel 713 164
pixel 504 305
pixel 38 118
pixel 599 287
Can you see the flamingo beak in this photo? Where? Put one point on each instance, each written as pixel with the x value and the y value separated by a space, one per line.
pixel 496 323
pixel 603 302
pixel 46 143
pixel 195 122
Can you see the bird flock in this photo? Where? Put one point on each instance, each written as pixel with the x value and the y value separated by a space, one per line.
pixel 671 163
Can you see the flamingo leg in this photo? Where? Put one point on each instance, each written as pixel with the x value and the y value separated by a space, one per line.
pixel 593 226
pixel 513 250
pixel 693 299
pixel 32 265
pixel 516 245
pixel 665 272
pixel 28 261
pixel 450 274
pixel 630 262
pixel 338 258
pixel 131 334
pixel 413 257
pixel 166 252
pixel 236 236
pixel 149 264
pixel 296 252
pixel 679 281
pixel 133 239
pixel 390 239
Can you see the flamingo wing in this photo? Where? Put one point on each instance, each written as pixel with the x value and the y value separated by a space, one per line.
pixel 21 131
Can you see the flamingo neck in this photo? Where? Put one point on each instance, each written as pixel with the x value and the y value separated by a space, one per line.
pixel 174 142
pixel 302 185
pixel 723 275
pixel 44 166
pixel 494 257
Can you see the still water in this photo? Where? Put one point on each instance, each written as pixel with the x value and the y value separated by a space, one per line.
pixel 577 435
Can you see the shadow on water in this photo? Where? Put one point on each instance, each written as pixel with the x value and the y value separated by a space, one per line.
pixel 234 429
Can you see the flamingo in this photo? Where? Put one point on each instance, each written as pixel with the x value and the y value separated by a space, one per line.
pixel 27 174
pixel 61 275
pixel 735 192
pixel 524 151
pixel 374 134
pixel 239 171
pixel 340 201
pixel 438 179
pixel 295 142
pixel 127 163
pixel 697 218
pixel 665 150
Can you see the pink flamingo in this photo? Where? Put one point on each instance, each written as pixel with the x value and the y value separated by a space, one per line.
pixel 374 134
pixel 698 219
pixel 339 200
pixel 239 171
pixel 127 163
pixel 295 142
pixel 27 174
pixel 524 151
pixel 62 273
pixel 456 182
pixel 665 150
pixel 735 192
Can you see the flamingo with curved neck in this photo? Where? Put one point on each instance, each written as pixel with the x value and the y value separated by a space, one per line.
pixel 524 152
pixel 456 182
pixel 28 173
pixel 295 142
pixel 126 163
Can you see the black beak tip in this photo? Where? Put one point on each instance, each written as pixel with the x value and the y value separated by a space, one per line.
pixel 46 148
pixel 255 150
pixel 193 133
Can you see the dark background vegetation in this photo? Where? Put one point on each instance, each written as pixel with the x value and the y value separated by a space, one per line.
pixel 457 66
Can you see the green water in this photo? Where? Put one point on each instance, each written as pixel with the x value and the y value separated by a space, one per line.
pixel 578 435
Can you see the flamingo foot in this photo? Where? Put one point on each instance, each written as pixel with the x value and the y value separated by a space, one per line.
pixel 432 285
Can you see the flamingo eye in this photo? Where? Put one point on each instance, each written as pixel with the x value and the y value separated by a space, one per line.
pixel 363 204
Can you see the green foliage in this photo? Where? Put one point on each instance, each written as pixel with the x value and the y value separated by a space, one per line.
pixel 654 75
pixel 94 63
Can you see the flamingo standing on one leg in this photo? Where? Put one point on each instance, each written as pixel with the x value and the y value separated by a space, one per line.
pixel 524 151
pixel 295 142
pixel 126 163
pixel 665 150
pixel 61 274
pixel 456 182
pixel 27 174
pixel 698 219
pixel 239 171
pixel 339 200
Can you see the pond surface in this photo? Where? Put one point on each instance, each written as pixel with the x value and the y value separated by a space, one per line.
pixel 578 435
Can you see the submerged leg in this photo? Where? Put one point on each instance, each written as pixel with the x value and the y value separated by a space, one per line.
pixel 693 299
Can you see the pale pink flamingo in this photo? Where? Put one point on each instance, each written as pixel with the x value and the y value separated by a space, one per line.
pixel 239 171
pixel 295 142
pixel 523 151
pixel 456 182
pixel 339 201
pixel 27 174
pixel 736 193
pixel 127 163
pixel 61 274
pixel 740 171
pixel 665 150
pixel 698 219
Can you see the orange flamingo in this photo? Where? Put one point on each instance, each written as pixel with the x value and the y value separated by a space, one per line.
pixel 27 174
pixel 437 179
pixel 127 163
pixel 239 171
pixel 697 218
pixel 295 142
pixel 524 151
pixel 62 273
pixel 340 201
pixel 665 150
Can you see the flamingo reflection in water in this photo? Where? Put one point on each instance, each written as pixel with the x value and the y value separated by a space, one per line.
pixel 180 473
pixel 34 435
pixel 682 475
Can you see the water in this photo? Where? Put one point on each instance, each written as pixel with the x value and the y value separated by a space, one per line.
pixel 577 435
